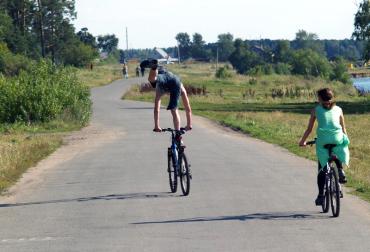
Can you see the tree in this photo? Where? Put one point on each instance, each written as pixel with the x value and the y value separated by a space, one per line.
pixel 305 40
pixel 184 43
pixel 310 63
pixel 79 54
pixel 362 26
pixel 282 52
pixel 198 50
pixel 340 71
pixel 5 26
pixel 243 59
pixel 225 45
pixel 56 17
pixel 107 43
pixel 87 37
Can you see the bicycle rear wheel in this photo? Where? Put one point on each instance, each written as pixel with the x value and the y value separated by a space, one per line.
pixel 334 191
pixel 184 175
pixel 172 171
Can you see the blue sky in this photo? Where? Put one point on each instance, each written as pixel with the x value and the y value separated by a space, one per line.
pixel 155 23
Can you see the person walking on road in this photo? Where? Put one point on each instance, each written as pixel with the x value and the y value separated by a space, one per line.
pixel 142 69
pixel 330 130
pixel 137 71
pixel 125 71
pixel 166 82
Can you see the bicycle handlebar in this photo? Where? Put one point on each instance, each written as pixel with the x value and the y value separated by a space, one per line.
pixel 183 130
pixel 311 142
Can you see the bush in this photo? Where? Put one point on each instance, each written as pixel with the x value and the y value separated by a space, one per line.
pixel 283 68
pixel 340 72
pixel 79 54
pixel 262 70
pixel 42 94
pixel 12 64
pixel 309 63
pixel 223 73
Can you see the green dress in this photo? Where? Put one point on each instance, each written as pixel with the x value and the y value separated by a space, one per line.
pixel 329 131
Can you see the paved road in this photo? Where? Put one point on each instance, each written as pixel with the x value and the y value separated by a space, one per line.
pixel 107 190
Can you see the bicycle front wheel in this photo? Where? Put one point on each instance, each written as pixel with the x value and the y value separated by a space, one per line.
pixel 184 174
pixel 172 171
pixel 326 202
pixel 334 191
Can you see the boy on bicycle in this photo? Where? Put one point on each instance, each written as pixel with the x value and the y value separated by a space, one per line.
pixel 330 130
pixel 167 82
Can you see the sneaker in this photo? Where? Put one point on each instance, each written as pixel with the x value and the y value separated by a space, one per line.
pixel 319 200
pixel 342 176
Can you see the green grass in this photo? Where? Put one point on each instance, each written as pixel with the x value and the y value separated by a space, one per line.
pixel 100 75
pixel 23 146
pixel 279 120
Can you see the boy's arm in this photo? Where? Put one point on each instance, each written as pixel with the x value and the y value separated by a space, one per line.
pixel 341 120
pixel 157 107
pixel 308 131
pixel 186 103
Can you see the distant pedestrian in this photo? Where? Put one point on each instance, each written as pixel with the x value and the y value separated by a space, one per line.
pixel 142 71
pixel 138 71
pixel 125 70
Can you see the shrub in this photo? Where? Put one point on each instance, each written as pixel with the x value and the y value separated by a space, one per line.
pixel 42 94
pixel 309 63
pixel 262 70
pixel 340 72
pixel 12 64
pixel 223 73
pixel 283 68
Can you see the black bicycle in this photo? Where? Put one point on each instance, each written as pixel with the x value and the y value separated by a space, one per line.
pixel 332 189
pixel 178 165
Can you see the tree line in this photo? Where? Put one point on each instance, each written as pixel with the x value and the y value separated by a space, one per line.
pixel 36 29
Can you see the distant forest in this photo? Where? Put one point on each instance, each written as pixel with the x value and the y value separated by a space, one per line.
pixel 349 49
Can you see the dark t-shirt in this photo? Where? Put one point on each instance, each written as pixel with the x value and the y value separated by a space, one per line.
pixel 167 82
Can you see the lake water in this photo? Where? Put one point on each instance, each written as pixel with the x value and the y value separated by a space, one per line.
pixel 362 83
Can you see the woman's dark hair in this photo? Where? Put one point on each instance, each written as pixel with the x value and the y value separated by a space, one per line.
pixel 326 94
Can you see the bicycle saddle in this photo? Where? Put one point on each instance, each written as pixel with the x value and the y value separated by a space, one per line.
pixel 329 146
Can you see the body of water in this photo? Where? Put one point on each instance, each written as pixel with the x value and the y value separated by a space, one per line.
pixel 362 83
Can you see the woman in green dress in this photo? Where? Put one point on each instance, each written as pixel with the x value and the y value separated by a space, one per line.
pixel 330 130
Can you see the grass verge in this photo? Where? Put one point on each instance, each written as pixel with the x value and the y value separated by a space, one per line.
pixel 100 75
pixel 23 146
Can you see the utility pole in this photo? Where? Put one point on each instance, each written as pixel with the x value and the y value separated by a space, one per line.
pixel 178 52
pixel 217 59
pixel 127 42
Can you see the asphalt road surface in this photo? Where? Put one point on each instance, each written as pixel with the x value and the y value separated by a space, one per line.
pixel 107 190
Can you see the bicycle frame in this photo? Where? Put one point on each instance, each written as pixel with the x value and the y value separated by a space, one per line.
pixel 176 147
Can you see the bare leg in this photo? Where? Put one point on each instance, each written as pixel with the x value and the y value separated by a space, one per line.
pixel 176 118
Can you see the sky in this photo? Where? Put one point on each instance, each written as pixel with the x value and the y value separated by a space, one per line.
pixel 155 23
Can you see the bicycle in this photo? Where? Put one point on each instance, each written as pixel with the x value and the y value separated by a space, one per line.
pixel 178 165
pixel 332 189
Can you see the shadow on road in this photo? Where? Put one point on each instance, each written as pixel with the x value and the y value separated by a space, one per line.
pixel 105 197
pixel 134 108
pixel 247 217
